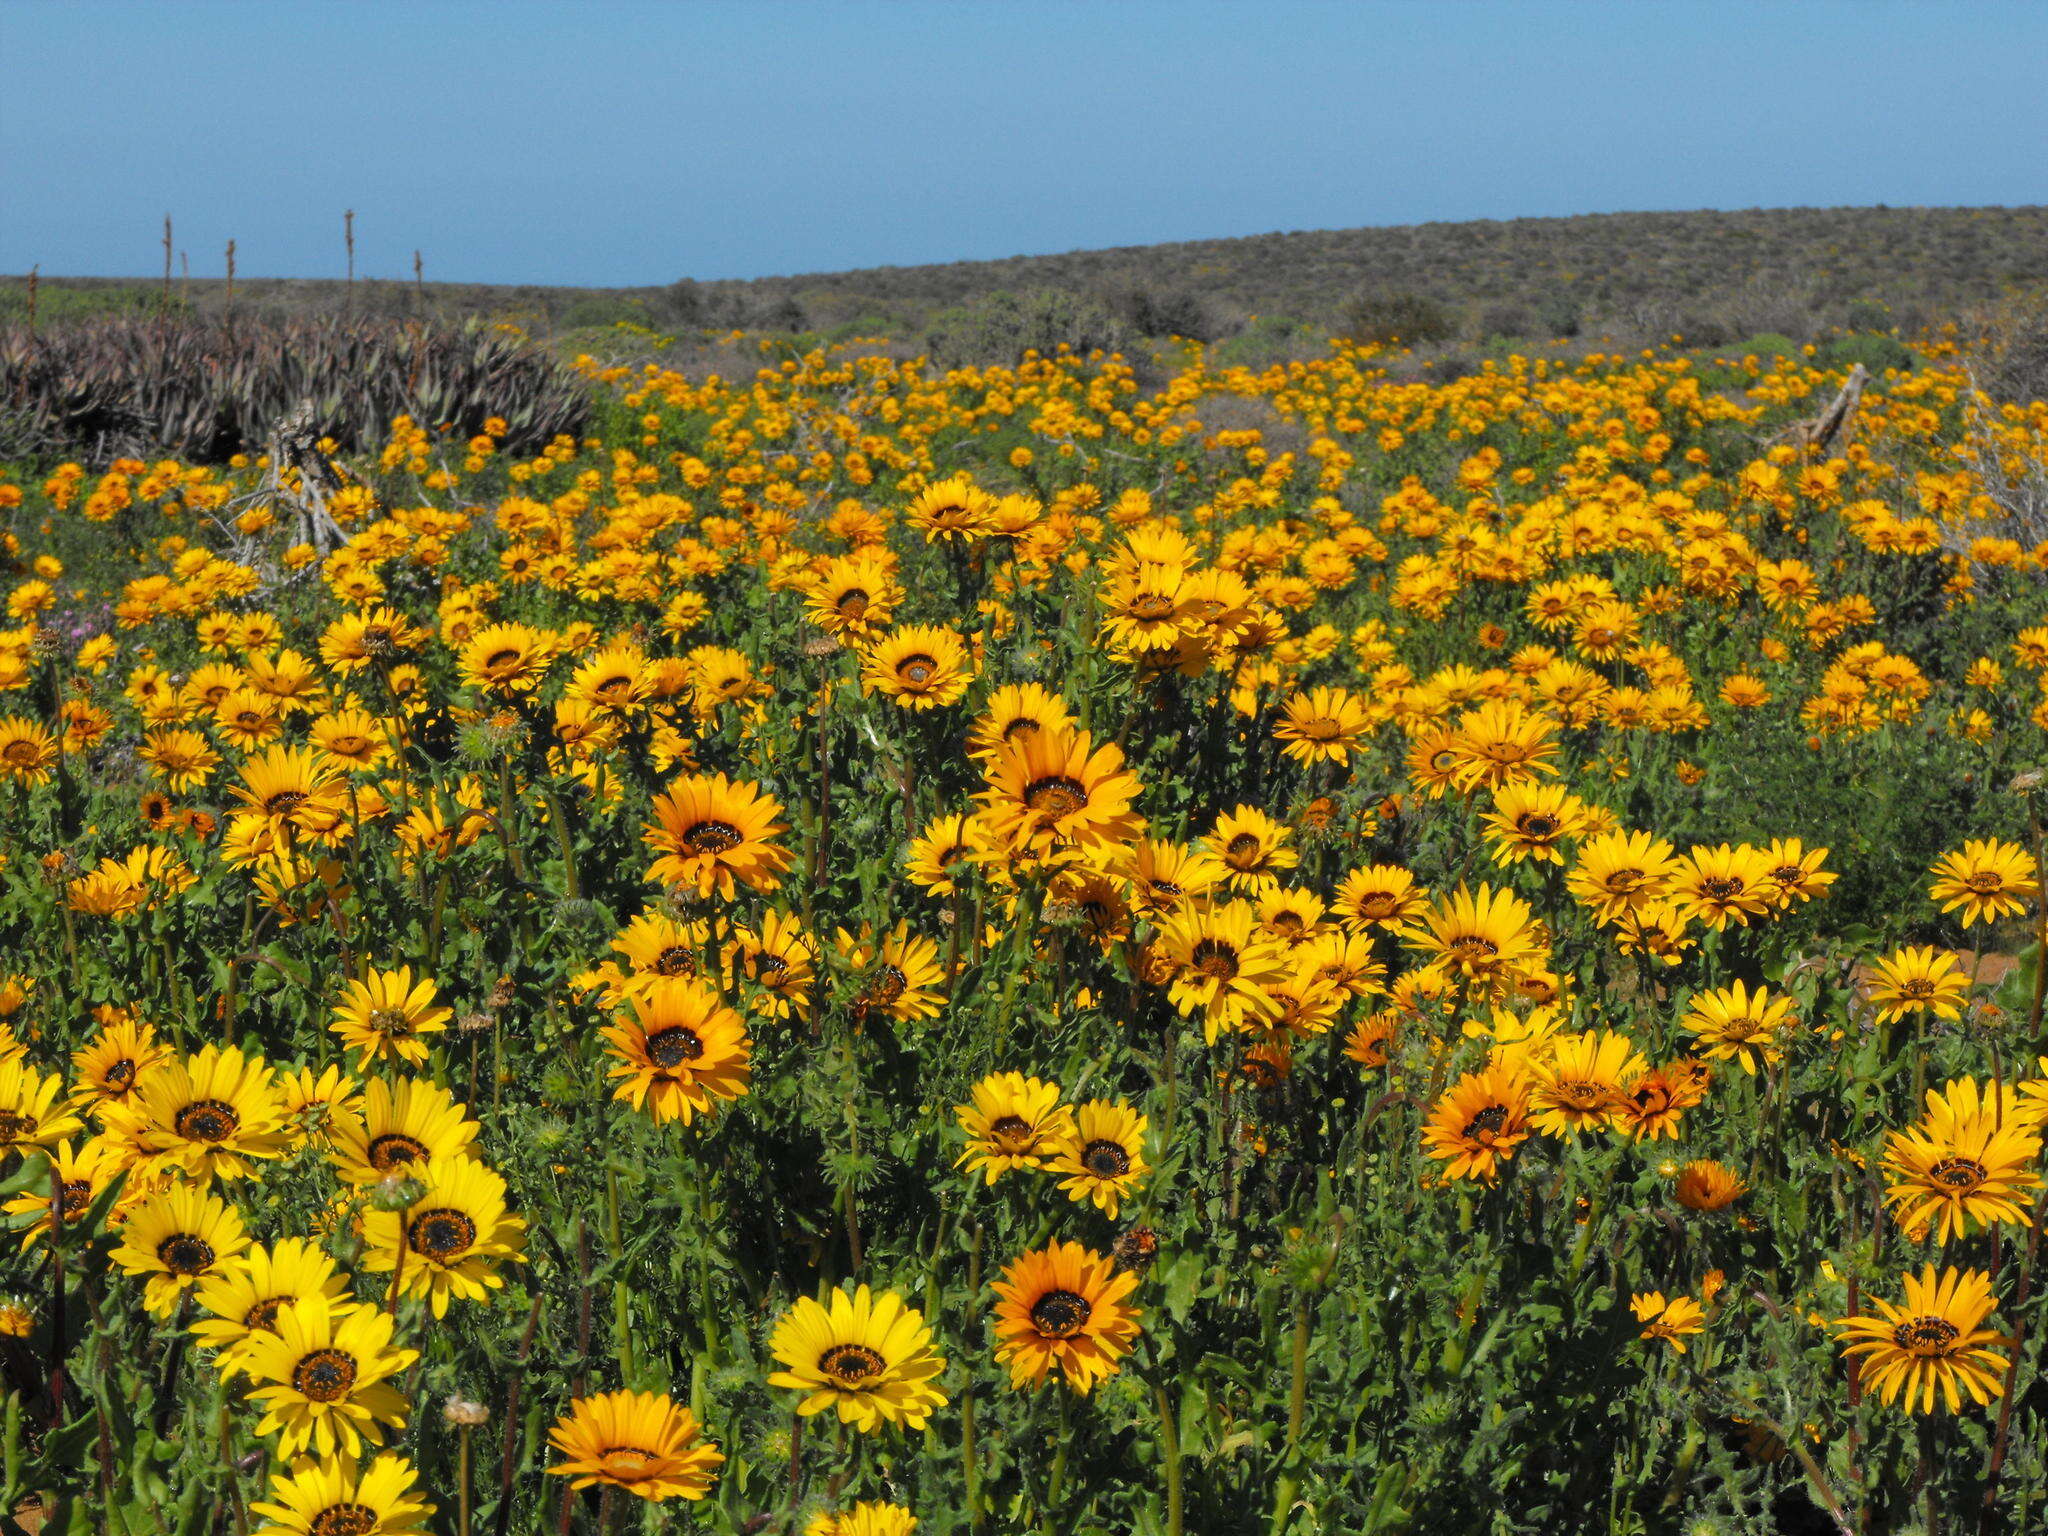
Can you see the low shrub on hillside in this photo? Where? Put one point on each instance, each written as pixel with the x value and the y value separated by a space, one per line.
pixel 1002 327
pixel 1383 319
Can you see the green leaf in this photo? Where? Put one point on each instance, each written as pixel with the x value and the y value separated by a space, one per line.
pixel 33 1174
pixel 1183 1280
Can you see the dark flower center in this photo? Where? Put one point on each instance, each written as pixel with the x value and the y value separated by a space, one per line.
pixel 184 1253
pixel 852 604
pixel 502 659
pixel 1488 1122
pixel 207 1120
pixel 391 1022
pixel 712 837
pixel 916 670
pixel 120 1074
pixel 324 1375
pixel 1926 1335
pixel 1214 959
pixel 14 1125
pixel 851 1364
pixel 77 1195
pixel 392 1148
pixel 441 1234
pixel 264 1314
pixel 675 961
pixel 1056 795
pixel 1012 1132
pixel 1242 850
pixel 344 1520
pixel 673 1046
pixel 1958 1173
pixel 1538 826
pixel 285 801
pixel 1060 1314
pixel 889 983
pixel 1722 889
pixel 1106 1159
pixel 628 1462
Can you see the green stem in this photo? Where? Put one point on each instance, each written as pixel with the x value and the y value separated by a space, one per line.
pixel 1056 1478
pixel 462 1484
pixel 970 1463
pixel 558 816
pixel 1169 1444
pixel 622 1290
pixel 1297 1405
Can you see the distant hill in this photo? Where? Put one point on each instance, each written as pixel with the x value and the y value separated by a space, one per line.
pixel 1713 276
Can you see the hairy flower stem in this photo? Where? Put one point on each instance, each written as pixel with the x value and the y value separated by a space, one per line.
pixel 1056 1477
pixel 1987 1514
pixel 224 1426
pixel 1297 1406
pixel 59 1336
pixel 969 1460
pixel 821 846
pixel 435 918
pixel 509 1443
pixel 1924 1489
pixel 462 1481
pixel 174 1360
pixel 565 842
pixel 515 863
pixel 1169 1445
pixel 851 1210
pixel 622 1291
pixel 580 1385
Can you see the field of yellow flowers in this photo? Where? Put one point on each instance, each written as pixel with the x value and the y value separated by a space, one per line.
pixel 1038 950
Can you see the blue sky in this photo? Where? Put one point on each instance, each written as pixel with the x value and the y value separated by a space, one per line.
pixel 618 143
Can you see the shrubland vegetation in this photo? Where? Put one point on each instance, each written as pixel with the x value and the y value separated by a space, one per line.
pixel 1715 278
